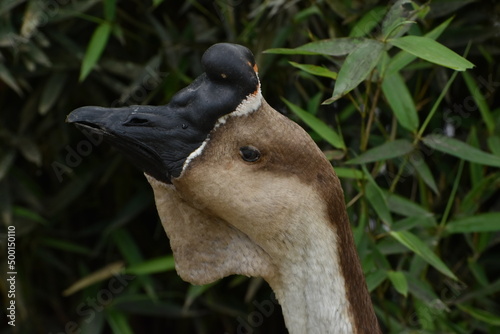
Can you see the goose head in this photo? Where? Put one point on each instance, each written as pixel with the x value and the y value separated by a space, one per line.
pixel 241 189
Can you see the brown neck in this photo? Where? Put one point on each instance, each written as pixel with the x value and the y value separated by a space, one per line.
pixel 361 307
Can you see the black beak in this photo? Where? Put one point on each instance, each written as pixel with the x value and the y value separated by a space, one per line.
pixel 158 139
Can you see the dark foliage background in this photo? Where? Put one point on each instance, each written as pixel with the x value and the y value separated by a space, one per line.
pixel 85 218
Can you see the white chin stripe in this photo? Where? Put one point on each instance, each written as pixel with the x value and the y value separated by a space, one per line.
pixel 249 105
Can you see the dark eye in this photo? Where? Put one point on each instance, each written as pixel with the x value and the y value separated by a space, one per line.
pixel 249 153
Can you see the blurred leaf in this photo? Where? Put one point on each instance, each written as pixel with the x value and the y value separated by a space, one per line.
pixel 480 101
pixel 413 243
pixel 399 281
pixel 6 162
pixel 356 68
pixel 315 70
pixel 349 173
pixel 481 315
pixel 102 274
pixel 396 18
pixel 399 99
pixel 415 221
pixel 317 125
pixel 486 222
pixel 368 22
pixel 118 322
pixel 404 206
pixel 109 10
pixel 432 51
pixel 51 91
pixel 330 47
pixel 26 213
pixel 7 77
pixel 494 144
pixel 376 198
pixel 156 265
pixel 423 171
pixel 374 279
pixel 95 48
pixel 194 291
pixel 461 150
pixel 479 194
pixel 386 151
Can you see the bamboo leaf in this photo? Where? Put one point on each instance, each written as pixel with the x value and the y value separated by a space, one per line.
pixel 95 48
pixel 156 265
pixel 376 198
pixel 413 243
pixel 388 150
pixel 432 51
pixel 399 98
pixel 480 101
pixel 398 280
pixel 424 171
pixel 329 47
pixel 368 22
pixel 51 91
pixel 356 68
pixel 481 315
pixel 486 222
pixel 315 70
pixel 461 150
pixel 317 125
pixel 403 58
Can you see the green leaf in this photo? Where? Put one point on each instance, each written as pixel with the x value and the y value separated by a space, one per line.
pixel 356 68
pixel 432 51
pixel 317 125
pixel 315 70
pixel 423 170
pixel 349 173
pixel 486 222
pixel 7 77
pixel 156 265
pixel 403 58
pixel 494 144
pixel 118 322
pixel 396 19
pixel 369 21
pixel 329 47
pixel 51 91
pixel 480 102
pixel 388 150
pixel 398 280
pixel 413 221
pixel 374 279
pixel 481 315
pixel 376 198
pixel 95 48
pixel 404 206
pixel 65 245
pixel 461 150
pixel 109 9
pixel 413 243
pixel 399 98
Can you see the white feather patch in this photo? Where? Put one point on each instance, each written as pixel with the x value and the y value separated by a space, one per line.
pixel 249 105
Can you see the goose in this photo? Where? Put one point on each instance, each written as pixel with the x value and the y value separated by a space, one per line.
pixel 242 189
